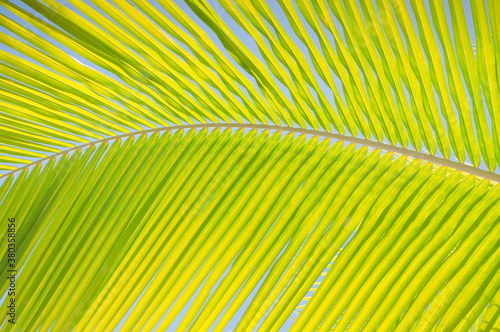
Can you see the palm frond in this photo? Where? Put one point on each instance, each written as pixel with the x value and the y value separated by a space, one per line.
pixel 144 68
pixel 135 211
pixel 160 219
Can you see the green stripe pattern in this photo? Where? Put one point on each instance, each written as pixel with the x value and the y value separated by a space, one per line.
pixel 244 229
pixel 403 72
pixel 244 225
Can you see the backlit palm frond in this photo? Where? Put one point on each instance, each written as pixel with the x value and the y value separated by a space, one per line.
pixel 376 69
pixel 301 165
pixel 218 215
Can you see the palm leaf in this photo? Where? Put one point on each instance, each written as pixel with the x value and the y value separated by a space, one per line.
pixel 304 165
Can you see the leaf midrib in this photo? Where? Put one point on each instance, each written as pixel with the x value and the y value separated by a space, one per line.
pixel 373 144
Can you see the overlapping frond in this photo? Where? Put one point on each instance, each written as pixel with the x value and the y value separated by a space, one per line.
pixel 188 227
pixel 400 71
